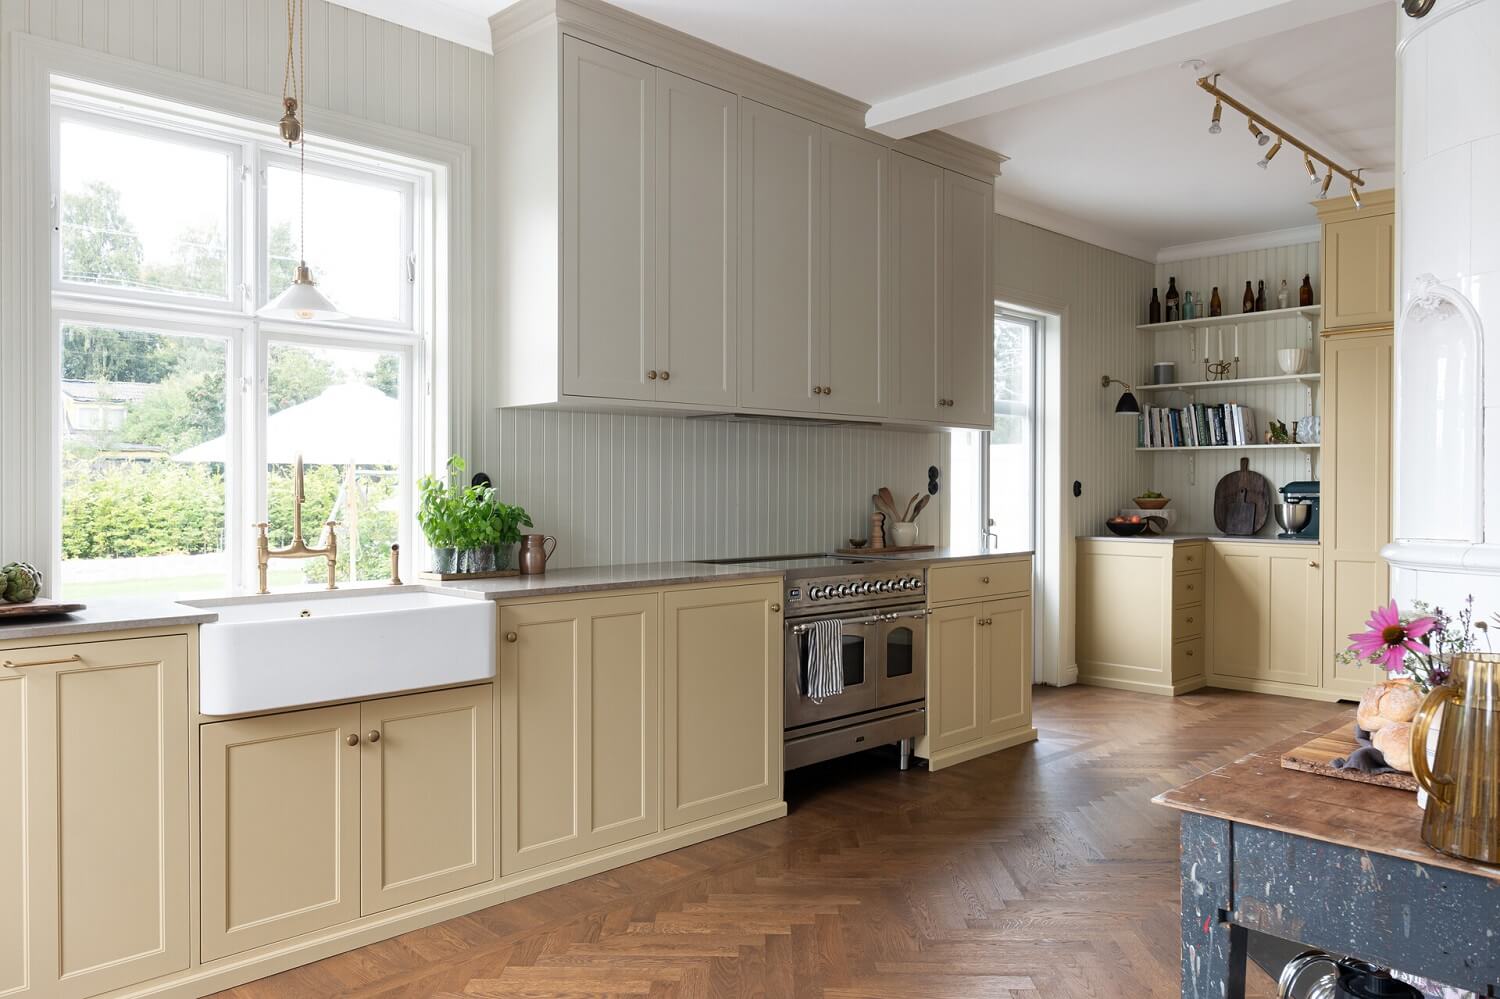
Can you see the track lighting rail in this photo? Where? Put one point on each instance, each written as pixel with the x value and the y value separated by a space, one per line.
pixel 1257 121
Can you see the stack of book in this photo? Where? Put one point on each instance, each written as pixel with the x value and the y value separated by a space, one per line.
pixel 1223 425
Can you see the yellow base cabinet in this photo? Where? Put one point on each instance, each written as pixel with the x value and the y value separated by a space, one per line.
pixel 578 695
pixel 979 661
pixel 314 818
pixel 1265 615
pixel 1140 616
pixel 94 807
pixel 722 696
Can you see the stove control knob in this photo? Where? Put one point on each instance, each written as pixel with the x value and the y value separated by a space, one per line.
pixel 915 581
pixel 815 593
pixel 841 590
pixel 883 586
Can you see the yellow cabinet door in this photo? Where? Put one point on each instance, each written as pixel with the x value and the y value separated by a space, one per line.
pixel 1240 604
pixel 723 700
pixel 1356 497
pixel 1358 275
pixel 428 798
pixel 105 751
pixel 16 924
pixel 1295 624
pixel 579 710
pixel 280 827
pixel 1007 625
pixel 958 677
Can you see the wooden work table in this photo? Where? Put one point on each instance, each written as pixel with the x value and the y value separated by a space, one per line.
pixel 1332 864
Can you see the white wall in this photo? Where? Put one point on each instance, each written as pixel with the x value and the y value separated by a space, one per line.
pixel 1189 478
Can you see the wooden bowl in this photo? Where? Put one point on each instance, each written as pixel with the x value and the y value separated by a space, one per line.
pixel 1146 503
pixel 1126 529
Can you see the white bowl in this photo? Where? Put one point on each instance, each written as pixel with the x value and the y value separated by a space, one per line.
pixel 1292 360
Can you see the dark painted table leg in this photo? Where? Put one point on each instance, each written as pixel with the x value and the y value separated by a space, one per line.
pixel 1213 951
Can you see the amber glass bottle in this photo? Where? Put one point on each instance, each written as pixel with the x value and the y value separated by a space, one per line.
pixel 1215 304
pixel 1174 301
pixel 1304 293
pixel 1247 304
pixel 1153 311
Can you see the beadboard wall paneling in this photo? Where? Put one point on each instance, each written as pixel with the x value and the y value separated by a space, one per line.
pixel 1190 477
pixel 620 488
pixel 358 65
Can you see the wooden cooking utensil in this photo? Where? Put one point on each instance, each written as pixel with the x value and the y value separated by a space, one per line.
pixel 889 499
pixel 917 510
pixel 884 505
pixel 907 514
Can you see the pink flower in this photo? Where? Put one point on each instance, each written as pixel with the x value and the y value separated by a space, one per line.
pixel 1389 639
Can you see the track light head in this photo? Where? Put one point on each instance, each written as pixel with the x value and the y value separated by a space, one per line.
pixel 1354 193
pixel 1327 183
pixel 1261 138
pixel 1214 128
pixel 1312 171
pixel 1265 160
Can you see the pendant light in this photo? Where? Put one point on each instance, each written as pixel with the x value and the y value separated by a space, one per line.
pixel 302 300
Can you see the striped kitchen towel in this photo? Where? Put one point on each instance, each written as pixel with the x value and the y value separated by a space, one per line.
pixel 825 665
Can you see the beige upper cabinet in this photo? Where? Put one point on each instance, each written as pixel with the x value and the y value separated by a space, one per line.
pixel 94 802
pixel 781 255
pixel 921 306
pixel 967 351
pixel 280 826
pixel 1356 500
pixel 428 795
pixel 857 243
pixel 697 242
pixel 579 695
pixel 609 230
pixel 722 695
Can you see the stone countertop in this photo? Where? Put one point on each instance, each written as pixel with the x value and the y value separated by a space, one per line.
pixel 108 614
pixel 956 553
pixel 585 579
pixel 1224 539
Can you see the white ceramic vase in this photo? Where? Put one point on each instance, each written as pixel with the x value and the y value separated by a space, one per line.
pixel 902 535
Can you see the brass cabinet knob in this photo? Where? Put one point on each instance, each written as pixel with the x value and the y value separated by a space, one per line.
pixel 651 375
pixel 828 390
pixel 666 375
pixel 1312 564
pixel 374 735
pixel 817 390
pixel 351 739
pixel 1189 653
pixel 775 608
pixel 985 580
pixel 1189 587
pixel 510 636
pixel 1189 620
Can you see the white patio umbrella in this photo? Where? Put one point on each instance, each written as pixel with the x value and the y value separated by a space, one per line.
pixel 352 424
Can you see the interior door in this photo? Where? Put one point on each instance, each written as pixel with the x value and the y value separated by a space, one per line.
pixel 920 306
pixel 969 206
pixel 697 241
pixel 608 223
pixel 781 283
pixel 428 795
pixel 856 207
pixel 280 827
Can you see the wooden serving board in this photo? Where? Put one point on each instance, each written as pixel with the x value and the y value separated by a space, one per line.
pixel 446 576
pixel 1236 491
pixel 1317 756
pixel 40 607
pixel 888 550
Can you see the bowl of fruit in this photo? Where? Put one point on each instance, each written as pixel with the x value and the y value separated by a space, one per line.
pixel 1126 527
pixel 1151 500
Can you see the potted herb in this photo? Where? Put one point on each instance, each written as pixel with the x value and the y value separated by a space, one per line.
pixel 469 529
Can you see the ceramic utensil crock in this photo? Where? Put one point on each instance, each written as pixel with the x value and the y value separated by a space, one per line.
pixel 1463 810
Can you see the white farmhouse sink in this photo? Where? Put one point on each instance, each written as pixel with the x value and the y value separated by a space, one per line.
pixel 280 653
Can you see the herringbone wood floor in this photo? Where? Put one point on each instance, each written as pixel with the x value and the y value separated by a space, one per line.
pixel 1041 872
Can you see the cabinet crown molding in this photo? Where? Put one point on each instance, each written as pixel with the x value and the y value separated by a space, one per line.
pixel 1381 202
pixel 641 38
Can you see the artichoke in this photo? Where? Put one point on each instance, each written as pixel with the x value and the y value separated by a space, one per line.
pixel 20 582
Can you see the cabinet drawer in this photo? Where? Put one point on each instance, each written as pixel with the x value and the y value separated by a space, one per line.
pixel 978 580
pixel 1187 622
pixel 1187 659
pixel 1189 558
pixel 1187 588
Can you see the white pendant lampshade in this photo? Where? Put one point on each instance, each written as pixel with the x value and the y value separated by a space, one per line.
pixel 302 301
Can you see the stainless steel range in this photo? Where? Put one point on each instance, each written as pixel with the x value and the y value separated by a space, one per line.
pixel 882 609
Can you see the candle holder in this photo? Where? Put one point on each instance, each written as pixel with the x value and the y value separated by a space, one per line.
pixel 1219 371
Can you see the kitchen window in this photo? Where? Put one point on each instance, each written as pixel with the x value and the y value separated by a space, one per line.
pixel 182 412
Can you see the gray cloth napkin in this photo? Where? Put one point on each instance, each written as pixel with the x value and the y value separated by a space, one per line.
pixel 1366 759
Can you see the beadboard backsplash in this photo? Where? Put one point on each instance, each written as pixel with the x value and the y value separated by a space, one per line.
pixel 618 488
pixel 1189 477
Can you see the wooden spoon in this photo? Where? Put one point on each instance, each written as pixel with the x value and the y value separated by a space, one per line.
pixel 921 505
pixel 889 500
pixel 884 505
pixel 908 515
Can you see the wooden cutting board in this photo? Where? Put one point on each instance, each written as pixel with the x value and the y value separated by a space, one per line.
pixel 1317 756
pixel 40 607
pixel 1242 501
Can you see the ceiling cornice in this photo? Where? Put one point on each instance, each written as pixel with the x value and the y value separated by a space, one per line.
pixel 1240 244
pixel 1074 228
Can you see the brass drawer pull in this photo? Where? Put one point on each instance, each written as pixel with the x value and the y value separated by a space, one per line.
pixel 11 664
pixel 1190 653
pixel 651 375
pixel 374 736
pixel 351 739
pixel 817 390
pixel 1312 564
pixel 775 608
pixel 985 580
pixel 510 636
pixel 1189 620
pixel 666 376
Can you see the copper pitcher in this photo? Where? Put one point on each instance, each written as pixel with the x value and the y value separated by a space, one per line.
pixel 535 553
pixel 1463 810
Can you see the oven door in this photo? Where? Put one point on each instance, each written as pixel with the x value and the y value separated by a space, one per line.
pixel 860 655
pixel 902 668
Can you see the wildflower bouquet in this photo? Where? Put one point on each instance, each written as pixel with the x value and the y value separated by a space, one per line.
pixel 1417 645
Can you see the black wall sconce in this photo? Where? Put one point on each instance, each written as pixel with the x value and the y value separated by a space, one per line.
pixel 1128 405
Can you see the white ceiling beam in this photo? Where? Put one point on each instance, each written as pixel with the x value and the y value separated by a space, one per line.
pixel 1202 26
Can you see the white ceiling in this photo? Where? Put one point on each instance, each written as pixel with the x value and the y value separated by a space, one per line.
pixel 1106 134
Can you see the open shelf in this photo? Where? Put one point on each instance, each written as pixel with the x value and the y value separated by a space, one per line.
pixel 1305 379
pixel 1234 447
pixel 1307 312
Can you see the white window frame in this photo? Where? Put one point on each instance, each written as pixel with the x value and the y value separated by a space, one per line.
pixel 1037 324
pixel 252 149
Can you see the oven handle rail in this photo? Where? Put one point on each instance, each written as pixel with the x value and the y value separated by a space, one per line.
pixel 876 618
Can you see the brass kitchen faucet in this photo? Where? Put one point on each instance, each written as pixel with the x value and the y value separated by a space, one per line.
pixel 298 548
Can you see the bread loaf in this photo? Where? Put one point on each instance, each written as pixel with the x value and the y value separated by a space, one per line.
pixel 1388 703
pixel 1394 743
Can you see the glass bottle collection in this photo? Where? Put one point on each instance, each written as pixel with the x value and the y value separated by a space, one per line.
pixel 1175 306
